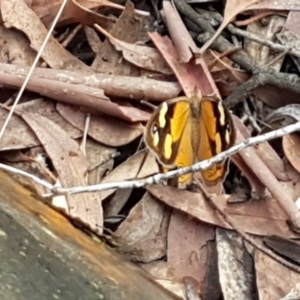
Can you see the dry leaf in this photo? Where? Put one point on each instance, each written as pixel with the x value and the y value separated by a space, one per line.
pixel 257 217
pixel 189 75
pixel 15 47
pixel 127 28
pixel 291 147
pixel 141 56
pixel 18 15
pixel 80 11
pixel 273 280
pixel 109 131
pixel 129 170
pixel 145 230
pixel 71 167
pixel 235 7
pixel 187 248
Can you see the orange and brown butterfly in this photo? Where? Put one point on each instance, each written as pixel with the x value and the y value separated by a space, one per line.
pixel 184 131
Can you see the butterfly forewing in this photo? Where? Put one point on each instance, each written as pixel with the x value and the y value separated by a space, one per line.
pixel 165 130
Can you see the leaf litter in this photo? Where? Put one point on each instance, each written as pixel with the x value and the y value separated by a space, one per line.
pixel 103 71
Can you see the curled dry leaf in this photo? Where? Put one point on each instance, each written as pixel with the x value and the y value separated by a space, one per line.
pixel 144 231
pixel 235 7
pixel 256 217
pixel 106 130
pixel 18 15
pixel 142 56
pixel 80 11
pixel 71 166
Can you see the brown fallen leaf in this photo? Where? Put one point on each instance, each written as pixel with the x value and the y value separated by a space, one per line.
pixel 271 274
pixel 18 15
pixel 14 46
pixel 106 130
pixel 286 248
pixel 100 159
pixel 142 56
pixel 80 11
pixel 47 109
pixel 71 167
pixel 189 75
pixel 235 7
pixel 144 232
pixel 19 136
pixel 268 179
pixel 256 217
pixel 129 170
pixel 129 28
pixel 292 23
pixel 188 249
pixel 291 147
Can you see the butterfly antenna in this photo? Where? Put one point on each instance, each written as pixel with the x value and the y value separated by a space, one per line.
pixel 144 158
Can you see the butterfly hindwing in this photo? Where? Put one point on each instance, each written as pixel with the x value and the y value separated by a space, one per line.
pixel 216 135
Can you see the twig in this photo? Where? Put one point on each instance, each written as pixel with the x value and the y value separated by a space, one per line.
pixel 254 37
pixel 47 81
pixel 25 174
pixel 262 75
pixel 175 173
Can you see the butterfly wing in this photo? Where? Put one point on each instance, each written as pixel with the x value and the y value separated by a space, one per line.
pixel 168 135
pixel 217 134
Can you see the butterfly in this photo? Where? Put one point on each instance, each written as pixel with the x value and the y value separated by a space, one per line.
pixel 185 131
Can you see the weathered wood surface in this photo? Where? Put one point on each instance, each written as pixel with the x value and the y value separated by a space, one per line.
pixel 42 256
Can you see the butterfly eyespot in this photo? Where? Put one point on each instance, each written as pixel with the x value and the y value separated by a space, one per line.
pixel 154 129
pixel 228 126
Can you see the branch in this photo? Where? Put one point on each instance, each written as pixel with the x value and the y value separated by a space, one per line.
pixel 263 75
pixel 162 176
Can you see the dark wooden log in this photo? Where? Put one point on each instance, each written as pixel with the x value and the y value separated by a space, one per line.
pixel 43 256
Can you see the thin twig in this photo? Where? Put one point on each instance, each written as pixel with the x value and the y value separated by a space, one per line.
pixel 176 173
pixel 254 37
